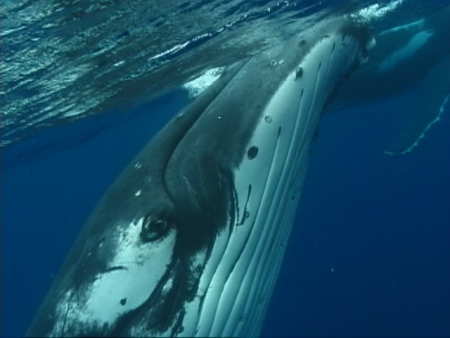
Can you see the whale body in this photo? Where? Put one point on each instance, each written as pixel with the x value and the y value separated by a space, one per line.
pixel 188 241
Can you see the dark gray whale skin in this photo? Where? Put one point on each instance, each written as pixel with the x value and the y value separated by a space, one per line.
pixel 181 188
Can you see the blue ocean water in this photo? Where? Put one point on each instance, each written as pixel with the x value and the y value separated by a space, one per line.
pixel 369 253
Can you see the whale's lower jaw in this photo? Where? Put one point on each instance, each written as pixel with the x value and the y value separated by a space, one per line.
pixel 240 275
pixel 190 239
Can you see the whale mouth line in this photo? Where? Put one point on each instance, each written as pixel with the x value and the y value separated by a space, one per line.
pixel 115 268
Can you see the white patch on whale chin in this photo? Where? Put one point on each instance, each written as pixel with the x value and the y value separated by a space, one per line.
pixel 120 290
pixel 407 51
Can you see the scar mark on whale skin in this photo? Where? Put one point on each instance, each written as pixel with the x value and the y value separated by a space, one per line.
pixel 252 152
pixel 114 268
pixel 246 213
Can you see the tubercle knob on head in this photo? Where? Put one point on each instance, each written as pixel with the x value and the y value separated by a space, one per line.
pixel 359 31
pixel 363 34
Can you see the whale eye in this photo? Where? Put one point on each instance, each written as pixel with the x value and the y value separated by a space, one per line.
pixel 154 229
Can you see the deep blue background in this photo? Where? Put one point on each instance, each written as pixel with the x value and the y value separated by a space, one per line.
pixel 369 254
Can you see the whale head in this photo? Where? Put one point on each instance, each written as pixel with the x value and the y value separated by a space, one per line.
pixel 189 239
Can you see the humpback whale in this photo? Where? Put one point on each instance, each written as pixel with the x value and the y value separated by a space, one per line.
pixel 189 239
pixel 413 55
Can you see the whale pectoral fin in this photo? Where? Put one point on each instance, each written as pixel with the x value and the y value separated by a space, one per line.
pixel 429 105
